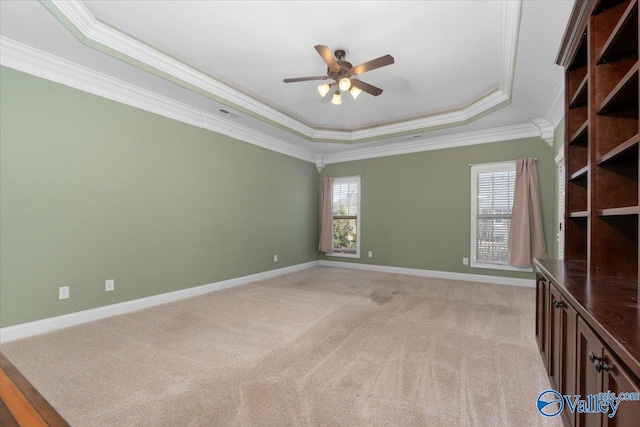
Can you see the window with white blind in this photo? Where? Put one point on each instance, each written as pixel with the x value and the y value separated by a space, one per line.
pixel 560 235
pixel 346 216
pixel 492 187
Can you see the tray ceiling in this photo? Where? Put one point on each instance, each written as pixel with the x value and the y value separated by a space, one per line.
pixel 456 62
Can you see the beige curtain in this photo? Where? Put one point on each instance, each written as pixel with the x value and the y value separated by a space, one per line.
pixel 326 226
pixel 526 236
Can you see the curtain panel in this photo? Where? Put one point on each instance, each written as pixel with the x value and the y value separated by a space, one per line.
pixel 326 225
pixel 526 236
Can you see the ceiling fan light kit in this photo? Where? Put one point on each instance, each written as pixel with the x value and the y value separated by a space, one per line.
pixel 354 91
pixel 345 84
pixel 337 98
pixel 324 89
pixel 341 72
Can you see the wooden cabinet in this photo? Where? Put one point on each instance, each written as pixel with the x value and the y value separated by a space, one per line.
pixel 616 379
pixel 589 338
pixel 556 323
pixel 589 381
pixel 562 351
pixel 600 56
pixel 587 312
pixel 600 371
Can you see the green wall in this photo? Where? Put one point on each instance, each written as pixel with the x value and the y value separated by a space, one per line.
pixel 416 207
pixel 93 190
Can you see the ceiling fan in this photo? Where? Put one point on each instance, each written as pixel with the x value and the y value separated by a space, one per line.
pixel 342 73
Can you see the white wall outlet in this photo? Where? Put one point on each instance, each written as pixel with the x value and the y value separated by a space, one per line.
pixel 275 258
pixel 465 261
pixel 370 254
pixel 109 285
pixel 63 292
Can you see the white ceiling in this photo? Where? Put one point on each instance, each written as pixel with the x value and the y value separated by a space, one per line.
pixel 460 66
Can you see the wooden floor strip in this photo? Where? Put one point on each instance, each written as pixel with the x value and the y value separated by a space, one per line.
pixel 23 405
pixel 6 419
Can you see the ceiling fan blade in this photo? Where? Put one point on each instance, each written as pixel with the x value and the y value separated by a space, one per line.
pixel 366 87
pixel 373 64
pixel 305 79
pixel 327 56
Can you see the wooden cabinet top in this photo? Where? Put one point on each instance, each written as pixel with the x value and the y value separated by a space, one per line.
pixel 609 305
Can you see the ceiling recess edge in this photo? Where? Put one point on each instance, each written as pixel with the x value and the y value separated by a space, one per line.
pixel 79 20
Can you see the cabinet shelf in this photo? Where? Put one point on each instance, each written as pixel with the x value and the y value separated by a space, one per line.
pixel 623 40
pixel 580 135
pixel 579 214
pixel 579 174
pixel 579 98
pixel 621 150
pixel 579 59
pixel 623 94
pixel 627 210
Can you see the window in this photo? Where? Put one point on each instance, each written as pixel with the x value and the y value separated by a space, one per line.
pixel 492 187
pixel 346 216
pixel 560 235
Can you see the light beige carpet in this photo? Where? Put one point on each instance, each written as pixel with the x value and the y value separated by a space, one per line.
pixel 324 346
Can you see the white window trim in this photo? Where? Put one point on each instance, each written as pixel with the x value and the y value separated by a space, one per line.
pixel 339 180
pixel 475 169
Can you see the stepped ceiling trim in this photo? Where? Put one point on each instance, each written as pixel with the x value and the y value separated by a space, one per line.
pixel 97 35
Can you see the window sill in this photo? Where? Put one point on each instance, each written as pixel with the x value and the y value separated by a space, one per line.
pixel 343 255
pixel 505 267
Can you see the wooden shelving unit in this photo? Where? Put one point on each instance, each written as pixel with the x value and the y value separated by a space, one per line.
pixel 600 56
pixel 577 86
pixel 587 304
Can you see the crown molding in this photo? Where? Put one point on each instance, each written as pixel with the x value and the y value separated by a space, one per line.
pixel 489 102
pixel 506 133
pixel 546 130
pixel 511 13
pixel 41 64
pixel 93 33
pixel 555 112
pixel 163 65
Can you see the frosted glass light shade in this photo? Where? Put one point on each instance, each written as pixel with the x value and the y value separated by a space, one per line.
pixel 323 89
pixel 337 99
pixel 344 84
pixel 354 91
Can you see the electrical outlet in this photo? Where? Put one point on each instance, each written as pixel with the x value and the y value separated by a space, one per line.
pixel 370 254
pixel 63 292
pixel 109 285
pixel 465 261
pixel 275 258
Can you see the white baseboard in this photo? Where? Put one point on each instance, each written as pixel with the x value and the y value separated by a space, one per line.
pixel 495 280
pixel 24 330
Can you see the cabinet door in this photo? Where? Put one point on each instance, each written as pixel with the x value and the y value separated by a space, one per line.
pixel 541 316
pixel 567 375
pixel 617 380
pixel 555 336
pixel 588 380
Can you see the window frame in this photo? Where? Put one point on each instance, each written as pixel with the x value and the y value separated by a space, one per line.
pixel 475 170
pixel 339 180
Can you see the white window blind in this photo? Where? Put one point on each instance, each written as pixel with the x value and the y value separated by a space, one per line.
pixel 561 206
pixel 492 202
pixel 346 216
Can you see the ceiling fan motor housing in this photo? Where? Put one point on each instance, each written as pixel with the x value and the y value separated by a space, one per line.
pixel 345 66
